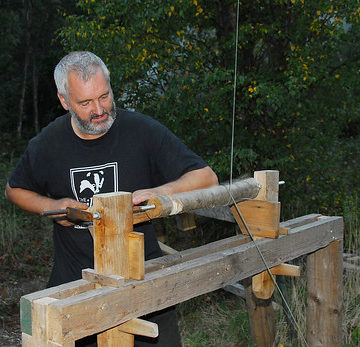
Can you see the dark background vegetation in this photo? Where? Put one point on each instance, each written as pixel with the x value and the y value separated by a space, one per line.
pixel 297 96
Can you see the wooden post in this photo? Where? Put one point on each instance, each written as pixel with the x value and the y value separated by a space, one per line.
pixel 261 312
pixel 113 249
pixel 324 296
pixel 111 237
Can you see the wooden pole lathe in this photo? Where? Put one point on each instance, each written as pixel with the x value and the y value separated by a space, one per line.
pixel 112 296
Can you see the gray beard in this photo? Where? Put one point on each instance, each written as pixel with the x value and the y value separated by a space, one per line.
pixel 87 127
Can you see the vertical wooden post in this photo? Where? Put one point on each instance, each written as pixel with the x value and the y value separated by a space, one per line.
pixel 324 296
pixel 261 312
pixel 115 338
pixel 111 237
pixel 111 250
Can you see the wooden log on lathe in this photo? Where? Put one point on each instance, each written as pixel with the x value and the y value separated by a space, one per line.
pixel 203 198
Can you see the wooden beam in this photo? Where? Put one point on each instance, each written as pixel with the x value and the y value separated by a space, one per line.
pixel 115 338
pixel 117 250
pixel 324 296
pixel 111 236
pixel 104 280
pixel 193 253
pixel 60 292
pixel 74 317
pixel 286 226
pixel 166 249
pixel 286 270
pixel 261 318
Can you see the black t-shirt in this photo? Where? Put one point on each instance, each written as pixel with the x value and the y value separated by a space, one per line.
pixel 136 153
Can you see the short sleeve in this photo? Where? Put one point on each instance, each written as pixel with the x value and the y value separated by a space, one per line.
pixel 172 158
pixel 24 175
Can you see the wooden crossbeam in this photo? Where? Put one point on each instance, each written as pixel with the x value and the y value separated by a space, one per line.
pixel 73 318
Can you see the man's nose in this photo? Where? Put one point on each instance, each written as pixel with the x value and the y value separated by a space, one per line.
pixel 98 109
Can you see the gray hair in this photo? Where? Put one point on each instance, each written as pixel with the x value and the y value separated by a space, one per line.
pixel 86 64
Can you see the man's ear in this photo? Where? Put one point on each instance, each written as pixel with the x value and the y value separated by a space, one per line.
pixel 63 102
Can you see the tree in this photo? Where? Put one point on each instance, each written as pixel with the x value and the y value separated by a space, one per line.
pixel 297 89
pixel 28 56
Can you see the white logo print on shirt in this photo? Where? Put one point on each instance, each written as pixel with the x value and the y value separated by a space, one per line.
pixel 94 187
pixel 90 180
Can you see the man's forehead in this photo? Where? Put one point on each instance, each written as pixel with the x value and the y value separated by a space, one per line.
pixel 84 76
pixel 96 83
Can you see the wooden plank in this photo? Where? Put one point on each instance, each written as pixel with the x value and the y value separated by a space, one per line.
pixel 136 256
pixel 59 292
pixel 111 237
pixel 299 221
pixel 262 217
pixel 105 280
pixel 26 340
pixel 193 253
pixel 166 249
pixel 286 270
pixel 169 286
pixel 324 296
pixel 42 325
pixel 141 327
pixel 236 289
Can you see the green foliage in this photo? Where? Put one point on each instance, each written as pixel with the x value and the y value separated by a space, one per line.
pixel 297 97
pixel 214 319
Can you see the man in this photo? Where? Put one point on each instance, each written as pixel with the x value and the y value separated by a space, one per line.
pixel 96 148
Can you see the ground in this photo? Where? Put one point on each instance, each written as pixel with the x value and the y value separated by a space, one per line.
pixel 10 293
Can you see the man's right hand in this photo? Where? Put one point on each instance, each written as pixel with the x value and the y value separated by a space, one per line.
pixel 33 202
pixel 61 204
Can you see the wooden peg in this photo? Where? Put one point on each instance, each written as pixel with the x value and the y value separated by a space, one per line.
pixel 141 327
pixel 262 284
pixel 136 256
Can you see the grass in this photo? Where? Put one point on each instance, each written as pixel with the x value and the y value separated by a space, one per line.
pixel 214 319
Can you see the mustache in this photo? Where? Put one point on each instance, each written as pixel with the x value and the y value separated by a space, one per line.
pixel 94 115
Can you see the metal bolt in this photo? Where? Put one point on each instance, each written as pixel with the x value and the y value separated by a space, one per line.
pixel 96 215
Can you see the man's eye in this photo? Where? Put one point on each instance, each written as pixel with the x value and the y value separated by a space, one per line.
pixel 84 104
pixel 105 96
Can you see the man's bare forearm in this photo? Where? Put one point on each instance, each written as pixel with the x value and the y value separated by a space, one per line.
pixel 196 179
pixel 33 202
